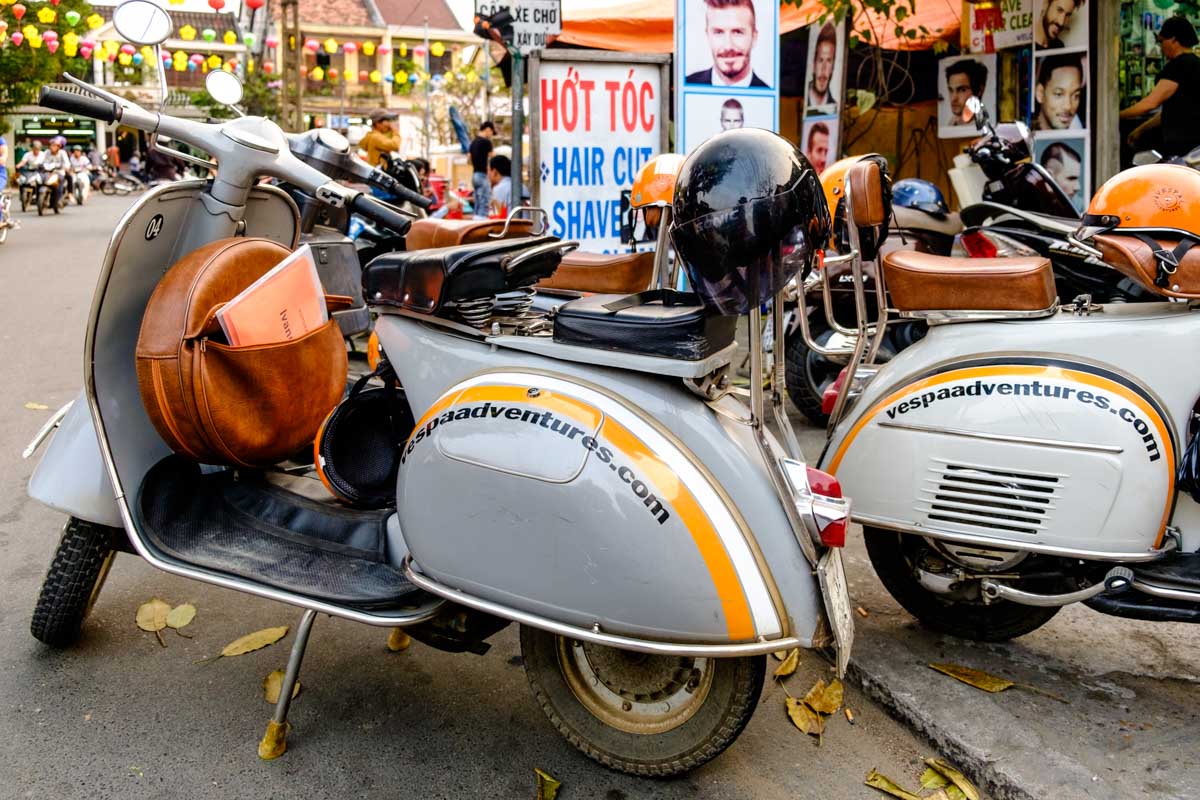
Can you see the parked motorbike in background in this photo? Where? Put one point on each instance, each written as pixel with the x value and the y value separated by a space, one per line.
pixel 7 220
pixel 112 181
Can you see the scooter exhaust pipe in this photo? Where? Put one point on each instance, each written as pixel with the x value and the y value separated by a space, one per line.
pixel 1117 580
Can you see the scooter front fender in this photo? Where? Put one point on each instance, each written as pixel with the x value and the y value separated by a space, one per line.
pixel 71 477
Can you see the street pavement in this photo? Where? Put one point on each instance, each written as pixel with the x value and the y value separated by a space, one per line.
pixel 120 716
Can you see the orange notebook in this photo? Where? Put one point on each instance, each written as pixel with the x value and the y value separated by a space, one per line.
pixel 284 304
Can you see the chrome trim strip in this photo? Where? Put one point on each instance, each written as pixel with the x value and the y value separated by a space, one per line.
pixel 946 317
pixel 994 437
pixel 1014 544
pixel 89 380
pixel 1158 590
pixel 55 420
pixel 594 635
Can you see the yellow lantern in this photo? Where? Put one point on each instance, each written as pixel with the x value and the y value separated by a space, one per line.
pixel 317 74
pixel 448 76
pixel 401 77
pixel 330 45
pixel 368 48
pixel 437 49
pixel 175 2
pixel 46 15
pixel 147 53
pixel 214 61
pixel 249 65
pixel 70 42
pixel 230 37
pixel 376 76
pixel 227 67
pixel 403 50
pixel 124 59
pixel 94 22
pixel 111 46
pixel 187 33
pixel 34 39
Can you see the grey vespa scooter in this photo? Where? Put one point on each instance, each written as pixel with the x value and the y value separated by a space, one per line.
pixel 613 496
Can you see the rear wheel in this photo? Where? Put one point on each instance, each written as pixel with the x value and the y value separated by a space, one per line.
pixel 808 375
pixel 643 714
pixel 896 557
pixel 43 201
pixel 81 563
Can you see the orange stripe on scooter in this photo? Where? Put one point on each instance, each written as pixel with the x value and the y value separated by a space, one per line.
pixel 1026 371
pixel 666 484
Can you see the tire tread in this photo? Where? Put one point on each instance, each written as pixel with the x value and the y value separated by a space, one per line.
pixel 62 602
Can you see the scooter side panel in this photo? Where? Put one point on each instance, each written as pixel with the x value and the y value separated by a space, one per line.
pixel 1022 442
pixel 71 477
pixel 651 538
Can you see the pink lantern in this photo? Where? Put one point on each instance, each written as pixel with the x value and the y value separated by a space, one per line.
pixel 51 44
pixel 419 51
pixel 166 58
pixel 196 58
pixel 85 49
pixel 272 41
pixel 350 47
pixel 17 38
pixel 312 45
pixel 50 36
pixel 383 49
pixel 128 49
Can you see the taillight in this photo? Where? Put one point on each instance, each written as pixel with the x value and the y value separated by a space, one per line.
pixel 978 245
pixel 832 517
pixel 830 395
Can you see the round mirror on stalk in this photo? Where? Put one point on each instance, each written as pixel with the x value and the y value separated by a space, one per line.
pixel 142 22
pixel 225 87
pixel 970 112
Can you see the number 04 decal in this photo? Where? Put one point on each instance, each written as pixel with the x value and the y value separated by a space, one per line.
pixel 155 227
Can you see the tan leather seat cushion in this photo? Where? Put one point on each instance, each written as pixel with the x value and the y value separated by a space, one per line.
pixel 623 273
pixel 924 282
pixel 1134 259
pixel 429 233
pixel 866 193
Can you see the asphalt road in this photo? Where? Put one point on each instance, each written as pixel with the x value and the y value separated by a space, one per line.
pixel 120 716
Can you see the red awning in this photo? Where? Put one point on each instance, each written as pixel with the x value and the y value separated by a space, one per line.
pixel 647 26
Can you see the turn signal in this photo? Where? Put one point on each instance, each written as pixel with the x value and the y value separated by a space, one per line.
pixel 373 351
pixel 978 245
pixel 830 511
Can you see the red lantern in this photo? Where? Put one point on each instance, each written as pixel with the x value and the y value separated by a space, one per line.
pixel 216 5
pixel 254 5
pixel 303 71
pixel 53 3
pixel 268 68
pixel 18 12
pixel 333 73
pixel 363 77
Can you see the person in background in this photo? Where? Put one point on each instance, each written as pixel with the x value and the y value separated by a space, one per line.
pixel 135 165
pixel 481 150
pixel 161 167
pixel 499 177
pixel 55 161
pixel 382 138
pixel 3 163
pixel 1177 92
pixel 1058 91
pixel 113 154
pixel 732 114
pixel 422 167
pixel 1064 165
pixel 81 168
pixel 33 156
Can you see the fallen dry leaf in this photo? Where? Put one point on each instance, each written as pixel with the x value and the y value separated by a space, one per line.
pixel 789 664
pixel 181 616
pixel 547 786
pixel 885 784
pixel 780 655
pixel 826 699
pixel 37 407
pixel 932 779
pixel 957 778
pixel 803 717
pixel 398 640
pixel 974 677
pixel 152 616
pixel 273 685
pixel 254 641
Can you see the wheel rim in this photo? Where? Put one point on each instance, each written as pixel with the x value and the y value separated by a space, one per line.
pixel 635 692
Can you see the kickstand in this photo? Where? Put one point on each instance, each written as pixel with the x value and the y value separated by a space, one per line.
pixel 274 741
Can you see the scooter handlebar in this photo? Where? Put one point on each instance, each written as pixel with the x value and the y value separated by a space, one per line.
pixel 391 185
pixel 79 105
pixel 381 212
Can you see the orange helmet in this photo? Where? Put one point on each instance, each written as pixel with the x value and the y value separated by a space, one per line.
pixel 833 181
pixel 655 181
pixel 1154 197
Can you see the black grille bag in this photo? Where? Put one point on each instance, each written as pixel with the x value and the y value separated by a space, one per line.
pixel 662 323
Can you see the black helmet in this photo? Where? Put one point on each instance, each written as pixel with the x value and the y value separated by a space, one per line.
pixel 738 198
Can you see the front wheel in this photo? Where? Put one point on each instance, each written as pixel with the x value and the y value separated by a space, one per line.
pixel 77 572
pixel 650 715
pixel 42 202
pixel 896 558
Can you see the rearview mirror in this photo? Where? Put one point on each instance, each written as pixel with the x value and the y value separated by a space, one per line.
pixel 225 87
pixel 1144 157
pixel 142 22
pixel 971 112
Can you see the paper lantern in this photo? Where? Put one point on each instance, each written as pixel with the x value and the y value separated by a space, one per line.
pixel 111 46
pixel 214 61
pixel 363 76
pixel 128 49
pixel 412 78
pixel 268 67
pixel 86 49
pixel 176 3
pixel 330 45
pixel 166 58
pixel 17 38
pixel 384 49
pixel 187 33
pixel 312 45
pixel 138 58
pixel 401 77
pixel 19 13
pixel 368 48
pixel 55 2
pixel 403 50
pixel 50 36
pixel 437 49
pixel 52 46
pixel 389 77
pixel 3 27
pixel 419 51
pixel 208 34
pixel 349 47
pixel 196 58
pixel 317 74
pixel 229 38
pixel 192 66
pixel 124 59
pixel 303 71
pixel 46 15
pixel 248 40
pixel 94 21
pixel 147 52
pixel 216 5
pixel 272 41
pixel 376 76
pixel 255 5
pixel 72 18
pixel 333 73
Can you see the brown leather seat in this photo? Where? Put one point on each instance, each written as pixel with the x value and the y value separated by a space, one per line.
pixel 1134 259
pixel 924 282
pixel 429 233
pixel 622 273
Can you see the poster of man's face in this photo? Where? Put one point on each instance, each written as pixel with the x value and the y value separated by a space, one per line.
pixel 1060 23
pixel 824 73
pixel 1060 91
pixel 1065 158
pixel 818 141
pixel 964 77
pixel 730 43
pixel 707 114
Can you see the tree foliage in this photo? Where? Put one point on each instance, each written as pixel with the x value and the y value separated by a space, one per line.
pixel 25 69
pixel 890 14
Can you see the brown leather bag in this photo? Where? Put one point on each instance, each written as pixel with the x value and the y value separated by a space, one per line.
pixel 242 406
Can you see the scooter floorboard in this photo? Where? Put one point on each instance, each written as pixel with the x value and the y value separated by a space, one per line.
pixel 240 524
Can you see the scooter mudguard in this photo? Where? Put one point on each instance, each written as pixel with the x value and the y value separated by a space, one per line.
pixel 609 500
pixel 1024 449
pixel 71 477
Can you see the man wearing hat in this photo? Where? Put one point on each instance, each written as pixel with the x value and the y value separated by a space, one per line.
pixel 1176 91
pixel 382 138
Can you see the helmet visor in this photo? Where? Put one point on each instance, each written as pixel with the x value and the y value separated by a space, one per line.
pixel 741 256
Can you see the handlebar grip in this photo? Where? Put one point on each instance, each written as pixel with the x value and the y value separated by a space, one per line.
pixel 382 213
pixel 79 104
pixel 392 186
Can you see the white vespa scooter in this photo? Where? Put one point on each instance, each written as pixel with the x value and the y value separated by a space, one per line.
pixel 1032 447
pixel 613 496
